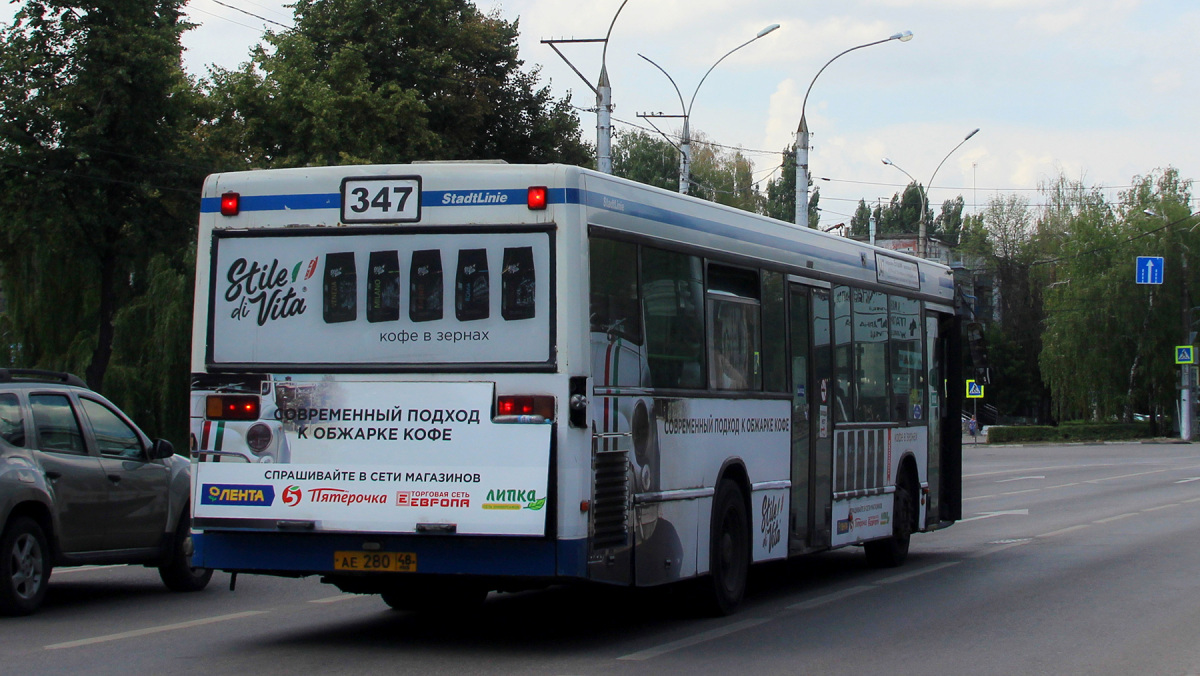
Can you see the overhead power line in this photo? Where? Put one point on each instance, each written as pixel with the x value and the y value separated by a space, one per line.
pixel 260 18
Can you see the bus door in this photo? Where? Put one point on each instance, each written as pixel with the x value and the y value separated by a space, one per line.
pixel 812 448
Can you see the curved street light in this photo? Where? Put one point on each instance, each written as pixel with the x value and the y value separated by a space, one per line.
pixel 922 229
pixel 603 91
pixel 802 132
pixel 685 145
pixel 604 105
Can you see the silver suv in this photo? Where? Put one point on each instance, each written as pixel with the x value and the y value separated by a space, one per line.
pixel 80 484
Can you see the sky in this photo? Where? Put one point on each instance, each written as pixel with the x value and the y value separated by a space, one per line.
pixel 1099 91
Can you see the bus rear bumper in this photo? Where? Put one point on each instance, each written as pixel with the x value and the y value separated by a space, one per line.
pixel 299 554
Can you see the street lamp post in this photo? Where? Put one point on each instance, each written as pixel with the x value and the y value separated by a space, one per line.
pixel 685 144
pixel 802 132
pixel 922 230
pixel 1185 380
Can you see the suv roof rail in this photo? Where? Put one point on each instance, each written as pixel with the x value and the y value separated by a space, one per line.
pixel 39 375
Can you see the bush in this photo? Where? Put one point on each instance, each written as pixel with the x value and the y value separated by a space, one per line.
pixel 1074 431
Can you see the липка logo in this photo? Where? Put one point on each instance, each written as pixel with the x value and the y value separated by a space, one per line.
pixel 513 499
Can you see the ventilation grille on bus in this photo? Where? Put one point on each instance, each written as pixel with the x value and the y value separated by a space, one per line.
pixel 610 496
pixel 860 461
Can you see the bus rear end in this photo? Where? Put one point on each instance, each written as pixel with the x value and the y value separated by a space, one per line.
pixel 377 392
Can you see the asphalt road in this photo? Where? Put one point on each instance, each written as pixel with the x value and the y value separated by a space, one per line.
pixel 1075 559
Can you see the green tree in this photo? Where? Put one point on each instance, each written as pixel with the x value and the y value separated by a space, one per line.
pixel 948 224
pixel 860 222
pixel 1002 239
pixel 356 81
pixel 1108 341
pixel 780 198
pixel 640 157
pixel 95 177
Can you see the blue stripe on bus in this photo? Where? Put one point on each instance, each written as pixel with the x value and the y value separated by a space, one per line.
pixel 430 198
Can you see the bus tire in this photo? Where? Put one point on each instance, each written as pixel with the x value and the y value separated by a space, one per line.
pixel 24 567
pixel 891 552
pixel 729 550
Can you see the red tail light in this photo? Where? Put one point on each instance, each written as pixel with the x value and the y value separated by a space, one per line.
pixel 231 407
pixel 524 408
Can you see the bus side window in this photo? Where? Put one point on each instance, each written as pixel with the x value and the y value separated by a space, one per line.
pixel 734 356
pixel 870 355
pixel 774 327
pixel 907 356
pixel 673 302
pixel 614 290
pixel 843 398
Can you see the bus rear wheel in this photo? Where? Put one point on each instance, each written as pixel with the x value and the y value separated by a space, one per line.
pixel 729 550
pixel 892 551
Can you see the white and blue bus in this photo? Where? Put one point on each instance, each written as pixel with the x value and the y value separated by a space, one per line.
pixel 432 381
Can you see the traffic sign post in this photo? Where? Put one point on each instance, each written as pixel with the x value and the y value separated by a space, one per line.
pixel 1149 270
pixel 1185 357
pixel 974 391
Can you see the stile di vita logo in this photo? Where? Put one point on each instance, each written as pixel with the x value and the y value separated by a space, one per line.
pixel 508 498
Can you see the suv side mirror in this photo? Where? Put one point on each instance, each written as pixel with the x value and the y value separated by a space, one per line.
pixel 161 449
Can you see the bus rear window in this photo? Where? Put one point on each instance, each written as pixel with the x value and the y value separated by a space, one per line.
pixel 295 300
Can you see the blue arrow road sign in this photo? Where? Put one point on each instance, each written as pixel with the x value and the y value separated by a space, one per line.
pixel 1149 269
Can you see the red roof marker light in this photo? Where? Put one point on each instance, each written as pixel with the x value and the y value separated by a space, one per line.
pixel 537 197
pixel 230 204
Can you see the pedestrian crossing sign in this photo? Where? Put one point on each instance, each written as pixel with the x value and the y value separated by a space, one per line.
pixel 1185 354
pixel 974 390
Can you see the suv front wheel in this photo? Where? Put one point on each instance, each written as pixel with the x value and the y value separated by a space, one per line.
pixel 24 567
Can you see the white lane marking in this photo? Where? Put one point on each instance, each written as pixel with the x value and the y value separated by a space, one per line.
pixel 1064 531
pixel 1188 481
pixel 340 597
pixel 1019 478
pixel 1010 545
pixel 1116 518
pixel 693 640
pixel 1125 476
pixel 828 598
pixel 1037 469
pixel 1191 501
pixel 1027 490
pixel 154 630
pixel 1155 509
pixel 84 569
pixel 921 571
pixel 988 515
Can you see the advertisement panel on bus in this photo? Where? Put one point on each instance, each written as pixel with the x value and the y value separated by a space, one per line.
pixel 369 456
